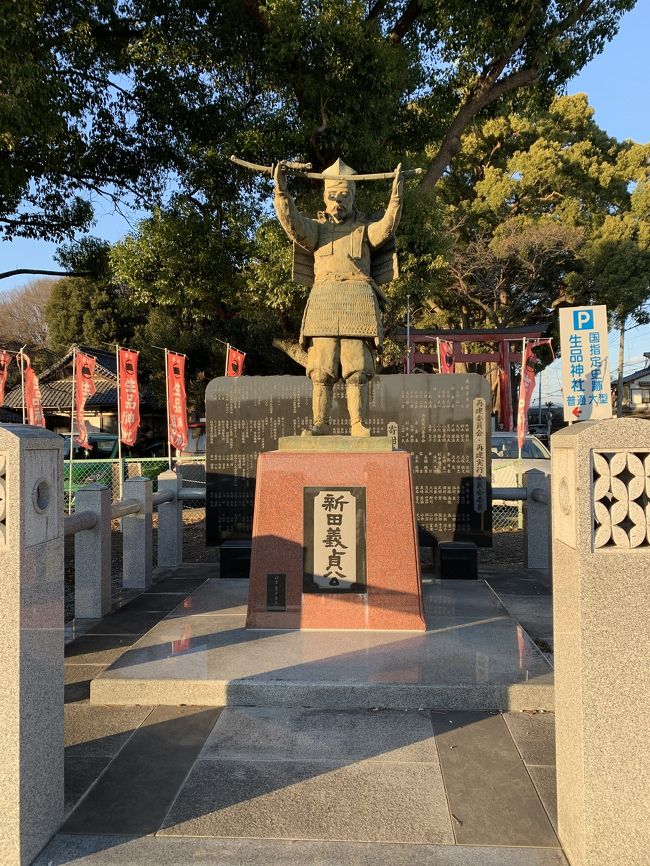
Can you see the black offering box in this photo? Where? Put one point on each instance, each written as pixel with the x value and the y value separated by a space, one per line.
pixel 458 560
pixel 235 561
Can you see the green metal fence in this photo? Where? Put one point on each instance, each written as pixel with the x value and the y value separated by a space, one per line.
pixel 109 472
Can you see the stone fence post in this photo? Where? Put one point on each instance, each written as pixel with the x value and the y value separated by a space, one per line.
pixel 537 520
pixel 601 610
pixel 31 638
pixel 170 521
pixel 92 554
pixel 137 535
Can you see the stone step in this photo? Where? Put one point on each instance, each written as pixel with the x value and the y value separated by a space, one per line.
pixel 473 656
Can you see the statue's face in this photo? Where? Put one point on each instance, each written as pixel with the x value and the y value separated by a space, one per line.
pixel 339 201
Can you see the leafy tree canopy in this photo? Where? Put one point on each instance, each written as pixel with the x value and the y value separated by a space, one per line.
pixel 103 98
pixel 543 210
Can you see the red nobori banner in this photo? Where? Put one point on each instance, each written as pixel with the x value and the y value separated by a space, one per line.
pixel 84 388
pixel 33 404
pixel 5 360
pixel 529 362
pixel 526 388
pixel 235 362
pixel 446 356
pixel 129 396
pixel 176 401
pixel 505 391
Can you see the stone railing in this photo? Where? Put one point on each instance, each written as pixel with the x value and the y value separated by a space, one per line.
pixel 536 496
pixel 90 523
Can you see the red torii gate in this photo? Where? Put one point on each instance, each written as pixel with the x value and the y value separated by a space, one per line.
pixel 502 336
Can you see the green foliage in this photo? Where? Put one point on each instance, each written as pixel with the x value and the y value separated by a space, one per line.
pixel 68 128
pixel 87 312
pixel 87 255
pixel 117 97
pixel 189 273
pixel 111 97
pixel 545 210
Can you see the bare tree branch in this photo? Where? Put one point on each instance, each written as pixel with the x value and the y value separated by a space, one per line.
pixel 490 88
pixel 406 20
pixel 5 274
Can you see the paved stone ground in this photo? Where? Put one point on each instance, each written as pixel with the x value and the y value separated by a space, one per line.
pixel 526 595
pixel 265 785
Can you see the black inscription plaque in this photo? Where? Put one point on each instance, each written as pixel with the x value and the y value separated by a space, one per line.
pixel 276 592
pixel 442 420
pixel 334 539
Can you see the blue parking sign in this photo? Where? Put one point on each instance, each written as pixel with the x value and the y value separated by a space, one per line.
pixel 583 320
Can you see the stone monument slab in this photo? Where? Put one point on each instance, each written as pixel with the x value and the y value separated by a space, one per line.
pixel 442 421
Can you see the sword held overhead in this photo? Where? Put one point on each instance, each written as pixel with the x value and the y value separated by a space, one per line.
pixel 303 169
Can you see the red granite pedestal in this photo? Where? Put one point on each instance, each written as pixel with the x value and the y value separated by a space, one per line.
pixel 292 543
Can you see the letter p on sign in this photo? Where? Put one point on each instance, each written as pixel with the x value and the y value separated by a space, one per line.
pixel 583 320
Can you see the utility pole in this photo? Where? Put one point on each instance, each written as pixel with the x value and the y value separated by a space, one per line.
pixel 621 359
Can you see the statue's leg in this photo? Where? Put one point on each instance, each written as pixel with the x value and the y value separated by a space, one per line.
pixel 322 369
pixel 358 368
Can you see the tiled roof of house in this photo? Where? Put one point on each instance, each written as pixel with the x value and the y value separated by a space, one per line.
pixel 57 381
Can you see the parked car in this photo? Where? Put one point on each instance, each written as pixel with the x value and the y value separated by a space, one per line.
pixel 506 462
pixel 195 440
pixel 102 446
pixel 541 431
pixel 92 465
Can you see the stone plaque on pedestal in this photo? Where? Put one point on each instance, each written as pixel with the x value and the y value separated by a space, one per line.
pixel 335 539
pixel 442 421
pixel 339 528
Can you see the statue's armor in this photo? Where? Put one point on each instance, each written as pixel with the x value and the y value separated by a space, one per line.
pixel 343 261
pixel 343 271
pixel 343 274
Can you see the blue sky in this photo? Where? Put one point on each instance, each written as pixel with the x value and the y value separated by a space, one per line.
pixel 618 86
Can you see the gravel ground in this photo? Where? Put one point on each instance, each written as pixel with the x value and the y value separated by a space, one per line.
pixel 508 548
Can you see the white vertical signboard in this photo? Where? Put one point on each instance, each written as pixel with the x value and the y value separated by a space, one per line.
pixel 586 389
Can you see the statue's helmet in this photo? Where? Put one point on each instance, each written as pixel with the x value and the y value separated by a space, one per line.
pixel 336 174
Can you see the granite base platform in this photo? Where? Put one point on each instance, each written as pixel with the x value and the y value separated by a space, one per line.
pixel 473 656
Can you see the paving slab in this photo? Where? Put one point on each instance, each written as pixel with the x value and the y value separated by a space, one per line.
pixel 137 788
pixel 80 774
pixel 365 800
pixel 77 680
pixel 491 796
pixel 216 597
pixel 274 733
pixel 534 734
pixel 477 658
pixel 178 585
pixel 545 781
pixel 97 649
pixel 527 596
pixel 153 601
pixel 189 570
pixel 92 731
pixel 109 850
pixel 125 621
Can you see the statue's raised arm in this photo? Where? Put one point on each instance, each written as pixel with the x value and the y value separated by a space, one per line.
pixel 300 228
pixel 381 230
